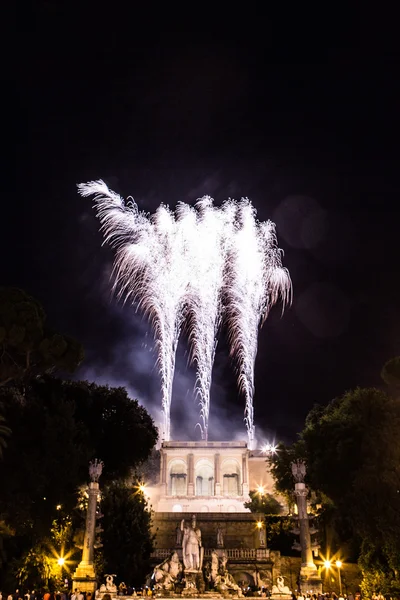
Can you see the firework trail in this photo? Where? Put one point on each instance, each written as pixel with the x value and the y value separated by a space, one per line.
pixel 207 257
pixel 149 273
pixel 195 267
pixel 255 280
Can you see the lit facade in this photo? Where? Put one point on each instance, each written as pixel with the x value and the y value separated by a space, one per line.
pixel 203 477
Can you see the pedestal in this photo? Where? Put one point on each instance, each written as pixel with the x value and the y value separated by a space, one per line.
pixel 194 584
pixel 84 578
pixel 310 581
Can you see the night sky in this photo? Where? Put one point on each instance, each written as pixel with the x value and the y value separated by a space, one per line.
pixel 308 131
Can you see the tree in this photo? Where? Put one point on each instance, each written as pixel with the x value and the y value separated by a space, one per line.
pixel 353 455
pixel 391 375
pixel 5 432
pixel 263 503
pixel 127 539
pixel 28 346
pixel 57 428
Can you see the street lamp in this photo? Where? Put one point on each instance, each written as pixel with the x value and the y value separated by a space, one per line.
pixel 61 561
pixel 339 564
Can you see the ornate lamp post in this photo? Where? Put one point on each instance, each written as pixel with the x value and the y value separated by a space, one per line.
pixel 309 578
pixel 339 565
pixel 85 576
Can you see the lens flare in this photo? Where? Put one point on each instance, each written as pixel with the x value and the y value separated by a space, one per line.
pixel 196 267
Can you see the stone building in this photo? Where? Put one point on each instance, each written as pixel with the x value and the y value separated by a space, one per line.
pixel 209 477
pixel 212 480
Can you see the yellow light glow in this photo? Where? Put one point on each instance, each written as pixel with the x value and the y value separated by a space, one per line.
pixel 338 563
pixel 142 488
pixel 259 524
pixel 58 507
pixel 327 564
pixel 61 561
pixel 260 490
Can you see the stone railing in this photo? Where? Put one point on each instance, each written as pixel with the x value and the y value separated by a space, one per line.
pixel 232 553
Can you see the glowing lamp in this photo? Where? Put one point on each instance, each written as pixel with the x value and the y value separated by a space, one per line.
pixel 61 561
pixel 259 524
pixel 338 563
pixel 260 489
pixel 327 564
pixel 142 488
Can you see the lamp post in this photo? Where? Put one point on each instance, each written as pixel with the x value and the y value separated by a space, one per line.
pixel 339 564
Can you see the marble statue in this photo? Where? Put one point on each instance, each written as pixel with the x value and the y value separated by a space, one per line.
pixel 214 566
pixel 109 587
pixel 220 537
pixel 224 581
pixel 299 471
pixel 166 574
pixel 224 562
pixel 178 536
pixel 261 533
pixel 191 546
pixel 280 589
pixel 95 469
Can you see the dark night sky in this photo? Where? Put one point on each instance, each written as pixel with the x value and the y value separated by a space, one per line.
pixel 310 132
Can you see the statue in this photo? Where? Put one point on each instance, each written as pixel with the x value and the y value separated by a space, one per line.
pixel 224 580
pixel 224 562
pixel 166 574
pixel 220 537
pixel 299 471
pixel 110 586
pixel 191 546
pixel 280 589
pixel 95 469
pixel 261 533
pixel 178 536
pixel 214 566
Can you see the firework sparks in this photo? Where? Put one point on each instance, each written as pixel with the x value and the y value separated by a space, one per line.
pixel 195 267
pixel 255 281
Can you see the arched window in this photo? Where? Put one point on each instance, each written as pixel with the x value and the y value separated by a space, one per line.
pixel 204 477
pixel 177 478
pixel 230 478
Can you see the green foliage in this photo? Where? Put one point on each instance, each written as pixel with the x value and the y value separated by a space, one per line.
pixel 263 503
pixel 127 540
pixel 35 567
pixel 353 455
pixel 57 428
pixel 27 345
pixel 391 374
pixel 279 535
pixel 5 432
pixel 352 451
pixel 281 467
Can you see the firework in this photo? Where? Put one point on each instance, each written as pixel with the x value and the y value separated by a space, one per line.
pixel 195 267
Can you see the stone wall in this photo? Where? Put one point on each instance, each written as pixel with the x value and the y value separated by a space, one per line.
pixel 239 530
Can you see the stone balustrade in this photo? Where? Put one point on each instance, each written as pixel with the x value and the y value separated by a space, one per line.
pixel 232 553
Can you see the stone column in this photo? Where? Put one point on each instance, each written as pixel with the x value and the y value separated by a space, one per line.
pixel 309 578
pixel 217 474
pixel 245 474
pixel 190 462
pixel 84 577
pixel 301 493
pixel 163 474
